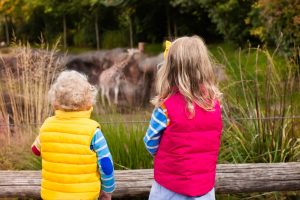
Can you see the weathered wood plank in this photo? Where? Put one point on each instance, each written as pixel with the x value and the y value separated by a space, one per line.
pixel 231 178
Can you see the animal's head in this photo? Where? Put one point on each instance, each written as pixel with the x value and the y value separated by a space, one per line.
pixel 132 51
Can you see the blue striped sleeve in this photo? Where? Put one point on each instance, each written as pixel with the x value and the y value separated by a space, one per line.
pixel 105 162
pixel 158 123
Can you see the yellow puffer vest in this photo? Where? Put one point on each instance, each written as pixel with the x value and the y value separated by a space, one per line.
pixel 69 167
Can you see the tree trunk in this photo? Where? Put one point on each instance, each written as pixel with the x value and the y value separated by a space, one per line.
pixel 168 21
pixel 6 31
pixel 230 178
pixel 130 32
pixel 97 31
pixel 175 29
pixel 65 31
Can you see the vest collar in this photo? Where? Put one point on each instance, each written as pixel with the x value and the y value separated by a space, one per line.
pixel 73 114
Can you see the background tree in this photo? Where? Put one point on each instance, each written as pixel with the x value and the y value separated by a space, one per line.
pixel 13 13
pixel 97 8
pixel 109 23
pixel 190 17
pixel 278 24
pixel 229 17
pixel 61 10
pixel 125 19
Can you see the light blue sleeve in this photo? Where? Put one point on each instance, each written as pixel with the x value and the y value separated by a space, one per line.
pixel 157 125
pixel 105 162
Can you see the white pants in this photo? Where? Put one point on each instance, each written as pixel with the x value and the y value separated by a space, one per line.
pixel 158 192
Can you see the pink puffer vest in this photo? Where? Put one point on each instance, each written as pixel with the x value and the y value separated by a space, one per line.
pixel 188 151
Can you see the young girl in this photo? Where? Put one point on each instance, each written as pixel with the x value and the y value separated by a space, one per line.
pixel 75 155
pixel 185 128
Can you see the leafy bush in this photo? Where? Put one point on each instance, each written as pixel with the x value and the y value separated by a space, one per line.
pixel 229 17
pixel 113 39
pixel 277 22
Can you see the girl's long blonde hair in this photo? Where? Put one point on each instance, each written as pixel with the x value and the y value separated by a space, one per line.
pixel 189 69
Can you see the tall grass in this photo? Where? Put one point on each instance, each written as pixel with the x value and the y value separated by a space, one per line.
pixel 29 80
pixel 126 146
pixel 26 75
pixel 257 107
pixel 125 140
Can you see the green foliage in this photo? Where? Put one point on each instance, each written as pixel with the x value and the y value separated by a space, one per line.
pixel 83 37
pixel 187 13
pixel 125 16
pixel 279 23
pixel 79 38
pixel 149 21
pixel 274 23
pixel 13 13
pixel 113 39
pixel 154 49
pixel 229 16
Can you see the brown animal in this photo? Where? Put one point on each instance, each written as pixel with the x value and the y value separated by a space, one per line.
pixel 111 77
pixel 93 63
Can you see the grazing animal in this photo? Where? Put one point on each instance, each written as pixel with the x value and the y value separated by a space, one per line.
pixel 111 77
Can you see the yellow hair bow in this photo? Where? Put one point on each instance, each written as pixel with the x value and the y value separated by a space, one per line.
pixel 168 44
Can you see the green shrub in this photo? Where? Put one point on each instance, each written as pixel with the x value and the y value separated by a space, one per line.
pixel 229 17
pixel 113 39
pixel 79 38
pixel 154 48
pixel 277 22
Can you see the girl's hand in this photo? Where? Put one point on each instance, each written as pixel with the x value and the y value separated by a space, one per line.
pixel 105 196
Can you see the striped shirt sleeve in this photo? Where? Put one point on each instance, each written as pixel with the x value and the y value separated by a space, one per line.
pixel 105 162
pixel 158 123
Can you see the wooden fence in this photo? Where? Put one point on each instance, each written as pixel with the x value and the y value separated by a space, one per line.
pixel 231 178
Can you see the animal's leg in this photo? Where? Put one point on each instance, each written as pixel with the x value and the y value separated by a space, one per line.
pixel 102 95
pixel 107 96
pixel 116 94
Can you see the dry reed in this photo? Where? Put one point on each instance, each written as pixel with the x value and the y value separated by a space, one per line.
pixel 26 76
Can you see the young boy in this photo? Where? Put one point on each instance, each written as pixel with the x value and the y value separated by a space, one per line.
pixel 76 161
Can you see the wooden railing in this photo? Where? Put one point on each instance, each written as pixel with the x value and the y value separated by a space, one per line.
pixel 231 178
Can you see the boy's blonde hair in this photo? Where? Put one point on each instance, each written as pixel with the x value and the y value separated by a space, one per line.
pixel 71 91
pixel 189 69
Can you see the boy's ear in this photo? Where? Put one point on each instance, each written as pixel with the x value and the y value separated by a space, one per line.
pixel 56 105
pixel 89 107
